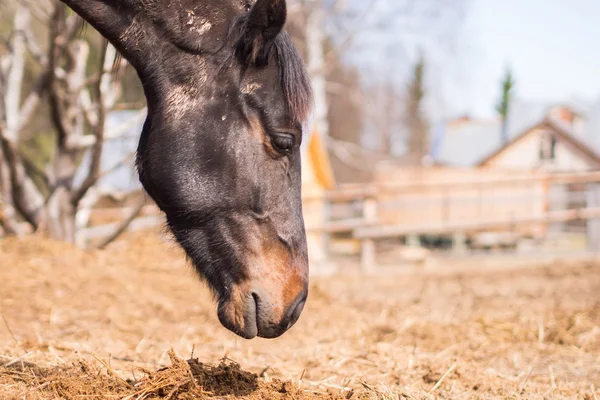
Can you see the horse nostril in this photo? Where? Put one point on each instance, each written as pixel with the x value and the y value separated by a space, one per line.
pixel 266 315
pixel 295 310
pixel 256 300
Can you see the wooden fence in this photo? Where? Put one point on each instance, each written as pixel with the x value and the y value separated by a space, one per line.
pixel 528 205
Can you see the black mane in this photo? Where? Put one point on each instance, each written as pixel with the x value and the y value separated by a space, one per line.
pixel 295 81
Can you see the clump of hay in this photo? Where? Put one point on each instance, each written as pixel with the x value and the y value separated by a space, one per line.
pixel 182 380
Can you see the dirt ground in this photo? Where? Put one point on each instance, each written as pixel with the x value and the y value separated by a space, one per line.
pixel 102 324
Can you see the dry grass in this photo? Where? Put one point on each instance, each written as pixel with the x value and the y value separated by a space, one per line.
pixel 80 325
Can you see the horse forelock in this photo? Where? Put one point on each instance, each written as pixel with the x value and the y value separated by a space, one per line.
pixel 295 81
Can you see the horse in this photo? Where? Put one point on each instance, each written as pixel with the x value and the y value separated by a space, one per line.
pixel 228 100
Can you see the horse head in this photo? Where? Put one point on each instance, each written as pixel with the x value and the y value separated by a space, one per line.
pixel 228 100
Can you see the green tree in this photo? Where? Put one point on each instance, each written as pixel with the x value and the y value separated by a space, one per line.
pixel 503 106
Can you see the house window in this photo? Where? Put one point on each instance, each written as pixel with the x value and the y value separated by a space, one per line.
pixel 548 148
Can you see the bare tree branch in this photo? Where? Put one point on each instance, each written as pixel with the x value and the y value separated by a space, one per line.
pixel 15 74
pixel 8 214
pixel 32 101
pixel 78 106
pixel 34 48
pixel 124 224
pixel 42 9
pixel 58 114
pixel 27 199
pixel 102 94
pixel 34 170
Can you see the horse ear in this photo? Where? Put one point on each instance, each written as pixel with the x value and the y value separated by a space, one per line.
pixel 264 22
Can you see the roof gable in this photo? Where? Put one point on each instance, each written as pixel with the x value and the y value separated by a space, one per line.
pixel 468 142
pixel 463 144
pixel 563 133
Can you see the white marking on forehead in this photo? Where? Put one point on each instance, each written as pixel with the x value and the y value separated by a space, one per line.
pixel 198 24
pixel 191 16
pixel 251 87
pixel 182 99
pixel 179 101
pixel 204 27
pixel 186 97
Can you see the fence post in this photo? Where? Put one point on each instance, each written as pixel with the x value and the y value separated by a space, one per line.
pixel 459 243
pixel 593 225
pixel 326 236
pixel 368 249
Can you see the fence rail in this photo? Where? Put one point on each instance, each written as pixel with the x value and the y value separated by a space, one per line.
pixel 382 231
pixel 460 207
pixel 363 212
pixel 354 192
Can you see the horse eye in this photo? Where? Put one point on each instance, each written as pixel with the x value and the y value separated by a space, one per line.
pixel 283 142
pixel 247 6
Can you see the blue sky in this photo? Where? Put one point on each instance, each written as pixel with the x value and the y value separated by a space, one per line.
pixel 553 47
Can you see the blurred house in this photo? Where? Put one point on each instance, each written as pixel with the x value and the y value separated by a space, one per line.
pixel 550 137
pixel 551 145
pixel 542 137
pixel 466 186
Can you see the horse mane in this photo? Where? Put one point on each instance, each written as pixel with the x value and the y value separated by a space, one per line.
pixel 294 79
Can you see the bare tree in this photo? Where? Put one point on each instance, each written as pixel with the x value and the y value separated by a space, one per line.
pixel 319 52
pixel 378 36
pixel 46 197
pixel 382 38
pixel 19 192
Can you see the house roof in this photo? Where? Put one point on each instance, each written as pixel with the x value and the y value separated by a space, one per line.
pixel 562 130
pixel 592 124
pixel 463 144
pixel 567 133
pixel 469 141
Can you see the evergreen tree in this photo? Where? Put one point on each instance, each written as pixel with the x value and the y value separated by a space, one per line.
pixel 417 126
pixel 503 105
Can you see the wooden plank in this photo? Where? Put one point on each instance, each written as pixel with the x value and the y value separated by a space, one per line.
pixel 341 226
pixel 593 226
pixel 355 192
pixel 415 204
pixel 380 232
pixel 368 246
pixel 343 195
